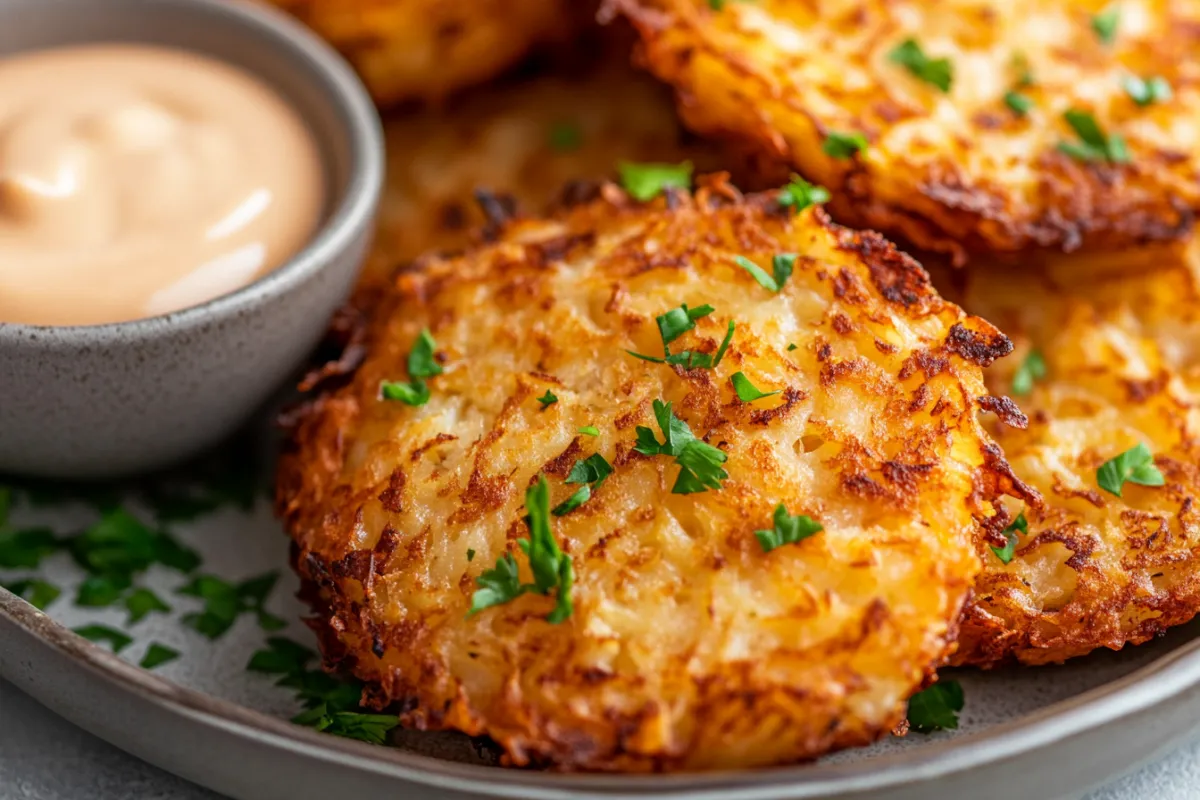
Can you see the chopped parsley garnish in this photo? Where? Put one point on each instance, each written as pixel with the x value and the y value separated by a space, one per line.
pixel 791 347
pixel 1019 103
pixel 1146 91
pixel 102 633
pixel 422 364
pixel 674 324
pixel 282 657
pixel 700 463
pixel 1093 144
pixel 937 72
pixel 101 591
pixel 1135 465
pixel 37 593
pixel 157 655
pixel 781 265
pixel 788 529
pixel 1106 22
pixel 369 728
pixel 679 321
pixel 839 144
pixel 548 399
pixel 332 705
pixel 415 393
pixel 1011 534
pixel 142 602
pixel 746 391
pixel 224 602
pixel 936 708
pixel 646 181
pixel 470 555
pixel 591 472
pixel 25 549
pixel 590 430
pixel 120 544
pixel 1031 370
pixel 565 137
pixel 799 194
pixel 551 567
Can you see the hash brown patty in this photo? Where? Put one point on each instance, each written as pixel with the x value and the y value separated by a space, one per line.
pixel 952 162
pixel 1119 338
pixel 687 645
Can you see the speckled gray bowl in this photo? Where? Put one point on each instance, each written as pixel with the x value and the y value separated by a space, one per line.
pixel 105 400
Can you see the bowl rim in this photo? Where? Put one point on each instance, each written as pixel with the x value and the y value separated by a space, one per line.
pixel 351 214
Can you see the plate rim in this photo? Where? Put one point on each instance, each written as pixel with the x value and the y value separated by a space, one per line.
pixel 1162 679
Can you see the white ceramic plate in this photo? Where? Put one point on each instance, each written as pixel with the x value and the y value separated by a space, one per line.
pixel 1045 733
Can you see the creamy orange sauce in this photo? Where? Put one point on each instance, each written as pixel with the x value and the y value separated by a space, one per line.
pixel 137 180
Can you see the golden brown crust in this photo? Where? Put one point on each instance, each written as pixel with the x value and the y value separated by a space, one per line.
pixel 958 172
pixel 1120 336
pixel 428 49
pixel 689 647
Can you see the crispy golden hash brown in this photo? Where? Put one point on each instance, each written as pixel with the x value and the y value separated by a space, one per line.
pixel 1120 338
pixel 522 142
pixel 689 646
pixel 428 49
pixel 955 171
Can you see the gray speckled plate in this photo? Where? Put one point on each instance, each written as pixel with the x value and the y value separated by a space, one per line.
pixel 1045 733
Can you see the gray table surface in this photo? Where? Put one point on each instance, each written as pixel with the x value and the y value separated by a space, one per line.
pixel 43 757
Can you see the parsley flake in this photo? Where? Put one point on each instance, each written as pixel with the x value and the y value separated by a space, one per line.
pixel 746 391
pixel 369 728
pixel 1021 104
pixel 646 181
pixel 590 430
pixel 470 555
pixel 422 363
pixel 25 549
pixel 548 399
pixel 936 708
pixel 788 529
pixel 937 72
pixel 157 655
pixel 791 347
pixel 224 602
pixel 1011 534
pixel 674 324
pixel 551 567
pixel 102 633
pixel 1031 370
pixel 700 463
pixel 1093 144
pixel 1135 465
pixel 781 265
pixel 1147 91
pixel 840 144
pixel 1106 22
pixel 565 137
pixel 591 472
pixel 799 194
pixel 415 393
pixel 143 602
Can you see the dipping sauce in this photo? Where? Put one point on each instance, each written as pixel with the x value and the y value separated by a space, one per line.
pixel 137 180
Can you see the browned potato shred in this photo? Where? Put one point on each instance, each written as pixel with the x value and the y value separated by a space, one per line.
pixel 957 172
pixel 689 647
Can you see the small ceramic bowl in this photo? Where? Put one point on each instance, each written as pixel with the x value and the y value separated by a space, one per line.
pixel 107 400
